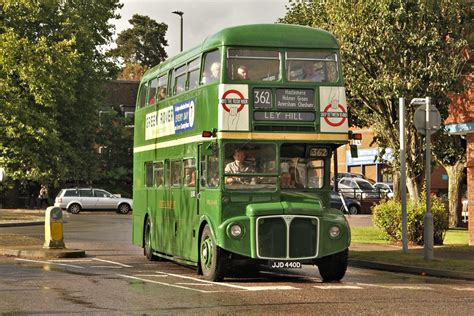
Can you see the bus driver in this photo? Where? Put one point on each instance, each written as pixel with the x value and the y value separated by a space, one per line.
pixel 238 166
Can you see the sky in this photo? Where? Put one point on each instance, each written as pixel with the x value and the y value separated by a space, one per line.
pixel 201 17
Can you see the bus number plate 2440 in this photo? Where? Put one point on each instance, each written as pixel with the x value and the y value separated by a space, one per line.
pixel 285 265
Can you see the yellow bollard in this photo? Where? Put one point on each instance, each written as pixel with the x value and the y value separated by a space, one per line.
pixel 53 228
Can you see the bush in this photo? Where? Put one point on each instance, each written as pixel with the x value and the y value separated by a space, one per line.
pixel 387 215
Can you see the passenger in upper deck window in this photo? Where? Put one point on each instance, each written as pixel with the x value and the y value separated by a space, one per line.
pixel 309 74
pixel 162 94
pixel 212 74
pixel 242 73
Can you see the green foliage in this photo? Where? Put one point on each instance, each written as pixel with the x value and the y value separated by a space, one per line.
pixel 392 49
pixel 51 70
pixel 388 217
pixel 115 137
pixel 143 44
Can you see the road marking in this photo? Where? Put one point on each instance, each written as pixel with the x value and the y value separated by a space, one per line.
pixel 48 262
pixel 338 287
pixel 113 262
pixel 463 288
pixel 199 284
pixel 166 284
pixel 397 287
pixel 270 287
pixel 70 260
pixel 247 288
pixel 151 275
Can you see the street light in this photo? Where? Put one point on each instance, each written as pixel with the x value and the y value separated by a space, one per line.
pixel 180 13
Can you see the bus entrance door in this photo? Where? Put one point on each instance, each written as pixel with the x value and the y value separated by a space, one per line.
pixel 186 209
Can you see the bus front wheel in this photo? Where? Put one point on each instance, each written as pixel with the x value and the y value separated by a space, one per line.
pixel 210 257
pixel 333 267
pixel 147 249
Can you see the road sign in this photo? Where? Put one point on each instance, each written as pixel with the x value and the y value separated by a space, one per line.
pixel 420 119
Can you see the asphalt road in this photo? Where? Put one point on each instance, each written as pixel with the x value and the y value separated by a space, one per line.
pixel 116 278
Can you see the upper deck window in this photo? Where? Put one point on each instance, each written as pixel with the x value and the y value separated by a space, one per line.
pixel 179 76
pixel 152 92
pixel 193 73
pixel 212 67
pixel 142 95
pixel 311 66
pixel 252 64
pixel 162 87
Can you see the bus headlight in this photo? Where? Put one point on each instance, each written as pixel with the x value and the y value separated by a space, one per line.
pixel 235 230
pixel 334 231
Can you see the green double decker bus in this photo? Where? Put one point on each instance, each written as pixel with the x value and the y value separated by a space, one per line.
pixel 232 153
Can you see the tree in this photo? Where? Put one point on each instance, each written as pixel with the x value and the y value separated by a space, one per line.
pixel 450 152
pixel 393 48
pixel 115 137
pixel 51 70
pixel 143 45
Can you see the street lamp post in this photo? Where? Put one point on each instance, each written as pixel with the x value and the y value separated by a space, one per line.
pixel 180 13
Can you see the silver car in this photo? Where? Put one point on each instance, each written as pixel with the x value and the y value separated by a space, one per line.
pixel 357 188
pixel 76 199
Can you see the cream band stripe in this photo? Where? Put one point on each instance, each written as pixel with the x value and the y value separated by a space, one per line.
pixel 245 135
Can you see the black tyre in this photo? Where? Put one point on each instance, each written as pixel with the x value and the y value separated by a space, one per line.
pixel 353 209
pixel 210 257
pixel 123 208
pixel 333 267
pixel 74 208
pixel 147 249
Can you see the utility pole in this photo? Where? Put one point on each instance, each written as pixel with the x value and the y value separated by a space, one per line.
pixel 403 175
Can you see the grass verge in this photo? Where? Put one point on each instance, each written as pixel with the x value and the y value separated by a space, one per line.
pixel 454 255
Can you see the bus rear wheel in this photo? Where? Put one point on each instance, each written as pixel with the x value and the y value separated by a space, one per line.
pixel 147 249
pixel 210 257
pixel 333 267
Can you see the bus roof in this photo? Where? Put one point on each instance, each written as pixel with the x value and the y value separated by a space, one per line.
pixel 257 35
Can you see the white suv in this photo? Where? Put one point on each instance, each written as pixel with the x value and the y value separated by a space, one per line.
pixel 76 199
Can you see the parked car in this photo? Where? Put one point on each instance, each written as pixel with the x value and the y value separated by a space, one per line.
pixel 386 188
pixel 357 188
pixel 353 206
pixel 76 199
pixel 341 175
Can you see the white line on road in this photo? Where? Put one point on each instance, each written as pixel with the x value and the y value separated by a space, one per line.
pixel 113 262
pixel 70 260
pixel 397 287
pixel 189 283
pixel 463 288
pixel 247 288
pixel 48 262
pixel 166 284
pixel 338 287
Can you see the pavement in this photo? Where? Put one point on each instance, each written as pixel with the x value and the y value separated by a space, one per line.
pixel 15 245
pixel 31 247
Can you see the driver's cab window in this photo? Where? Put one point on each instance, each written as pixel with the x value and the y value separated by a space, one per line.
pixel 250 166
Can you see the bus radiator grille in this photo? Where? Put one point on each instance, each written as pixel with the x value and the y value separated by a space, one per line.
pixel 287 237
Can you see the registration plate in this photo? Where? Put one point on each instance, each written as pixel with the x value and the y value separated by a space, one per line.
pixel 285 265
